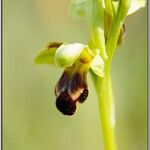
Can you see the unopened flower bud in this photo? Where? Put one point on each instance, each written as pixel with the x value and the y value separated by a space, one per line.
pixel 121 35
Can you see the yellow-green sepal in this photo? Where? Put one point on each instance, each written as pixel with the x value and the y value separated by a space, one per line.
pixel 97 65
pixel 46 56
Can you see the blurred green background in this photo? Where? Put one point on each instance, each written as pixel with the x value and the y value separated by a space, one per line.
pixel 30 118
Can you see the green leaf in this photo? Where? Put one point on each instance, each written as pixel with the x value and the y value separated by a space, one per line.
pixel 67 54
pixel 46 56
pixel 97 65
pixel 136 5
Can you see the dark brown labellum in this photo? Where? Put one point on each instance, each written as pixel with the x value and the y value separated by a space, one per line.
pixel 54 44
pixel 76 86
pixel 65 104
pixel 83 96
pixel 62 84
pixel 71 87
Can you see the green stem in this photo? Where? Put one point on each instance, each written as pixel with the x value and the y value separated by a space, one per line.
pixel 103 85
pixel 105 99
pixel 112 39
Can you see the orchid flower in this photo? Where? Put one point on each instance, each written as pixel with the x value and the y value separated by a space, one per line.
pixel 76 59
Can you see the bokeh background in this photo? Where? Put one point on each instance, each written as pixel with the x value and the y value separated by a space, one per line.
pixel 30 118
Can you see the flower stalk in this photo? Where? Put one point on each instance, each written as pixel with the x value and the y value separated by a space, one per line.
pixel 103 85
pixel 106 111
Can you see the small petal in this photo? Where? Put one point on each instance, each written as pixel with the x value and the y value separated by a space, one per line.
pixel 97 65
pixel 46 56
pixel 67 54
pixel 53 45
pixel 65 104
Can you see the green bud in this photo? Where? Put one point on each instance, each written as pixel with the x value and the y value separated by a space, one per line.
pixel 136 5
pixel 121 35
pixel 67 54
